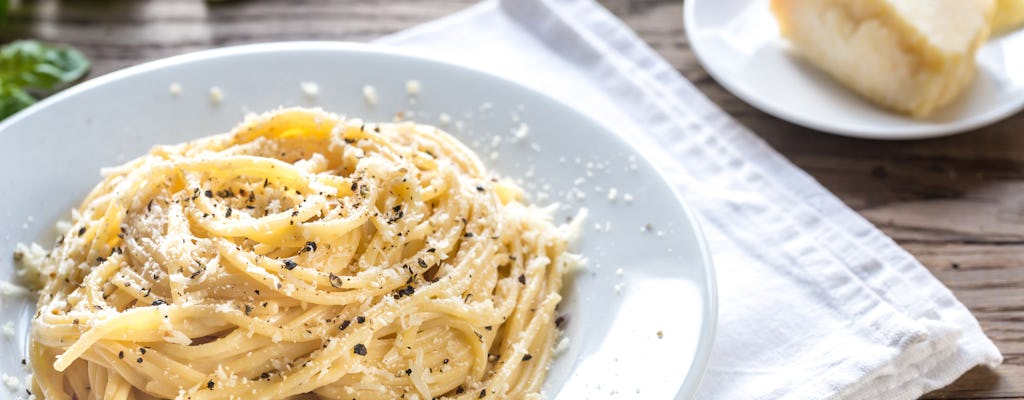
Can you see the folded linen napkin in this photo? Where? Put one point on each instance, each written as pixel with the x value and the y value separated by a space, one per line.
pixel 815 302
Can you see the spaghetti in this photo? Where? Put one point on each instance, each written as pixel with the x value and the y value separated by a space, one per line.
pixel 301 255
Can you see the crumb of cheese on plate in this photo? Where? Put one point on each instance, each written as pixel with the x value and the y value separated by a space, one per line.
pixel 216 95
pixel 8 329
pixel 1009 15
pixel 412 87
pixel 910 56
pixel 310 89
pixel 12 383
pixel 370 95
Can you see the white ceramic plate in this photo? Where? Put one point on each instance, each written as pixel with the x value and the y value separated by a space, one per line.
pixel 738 43
pixel 51 155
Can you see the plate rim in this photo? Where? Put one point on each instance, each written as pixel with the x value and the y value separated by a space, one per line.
pixel 913 132
pixel 709 322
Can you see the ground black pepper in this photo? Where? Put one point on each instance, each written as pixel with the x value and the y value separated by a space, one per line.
pixel 359 349
pixel 334 279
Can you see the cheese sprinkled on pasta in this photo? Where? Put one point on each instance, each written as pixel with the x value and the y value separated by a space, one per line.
pixel 301 255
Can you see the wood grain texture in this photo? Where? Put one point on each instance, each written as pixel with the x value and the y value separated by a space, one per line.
pixel 956 203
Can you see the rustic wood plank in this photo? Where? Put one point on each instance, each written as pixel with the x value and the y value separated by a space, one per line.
pixel 956 203
pixel 119 33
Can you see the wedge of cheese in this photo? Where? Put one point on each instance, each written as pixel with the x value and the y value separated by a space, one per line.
pixel 911 56
pixel 1009 15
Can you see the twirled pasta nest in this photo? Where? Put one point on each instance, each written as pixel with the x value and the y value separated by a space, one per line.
pixel 304 255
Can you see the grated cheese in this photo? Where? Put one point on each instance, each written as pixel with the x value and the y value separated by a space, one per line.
pixel 216 95
pixel 13 384
pixel 9 329
pixel 370 95
pixel 412 87
pixel 310 89
pixel 562 346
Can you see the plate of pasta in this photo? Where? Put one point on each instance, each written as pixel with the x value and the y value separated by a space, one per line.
pixel 321 220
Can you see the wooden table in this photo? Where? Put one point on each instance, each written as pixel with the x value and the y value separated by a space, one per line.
pixel 956 203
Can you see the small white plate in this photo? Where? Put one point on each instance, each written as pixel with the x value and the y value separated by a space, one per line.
pixel 738 43
pixel 52 153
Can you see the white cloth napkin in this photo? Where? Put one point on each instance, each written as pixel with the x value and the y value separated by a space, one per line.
pixel 815 302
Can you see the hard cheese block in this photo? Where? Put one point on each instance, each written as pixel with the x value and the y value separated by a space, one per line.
pixel 1009 15
pixel 911 56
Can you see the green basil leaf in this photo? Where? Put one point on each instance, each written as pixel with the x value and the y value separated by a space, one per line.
pixel 31 64
pixel 71 63
pixel 13 99
pixel 30 67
